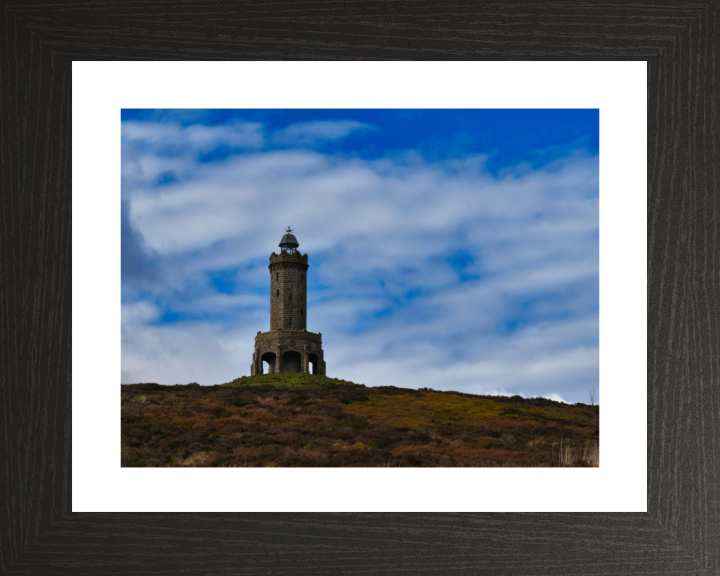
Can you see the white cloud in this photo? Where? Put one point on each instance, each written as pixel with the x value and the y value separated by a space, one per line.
pixel 166 136
pixel 138 313
pixel 312 133
pixel 206 353
pixel 379 233
pixel 344 202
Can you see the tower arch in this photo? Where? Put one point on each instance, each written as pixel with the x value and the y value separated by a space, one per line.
pixel 271 359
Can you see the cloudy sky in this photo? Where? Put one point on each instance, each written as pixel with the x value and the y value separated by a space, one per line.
pixel 454 249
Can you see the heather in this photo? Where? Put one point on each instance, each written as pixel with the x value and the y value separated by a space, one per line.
pixel 311 420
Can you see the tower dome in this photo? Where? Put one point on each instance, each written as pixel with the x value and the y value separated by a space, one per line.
pixel 289 243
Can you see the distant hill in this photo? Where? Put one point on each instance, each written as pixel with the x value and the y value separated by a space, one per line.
pixel 311 420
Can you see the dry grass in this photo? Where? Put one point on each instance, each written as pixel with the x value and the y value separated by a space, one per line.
pixel 567 456
pixel 570 455
pixel 197 459
pixel 591 454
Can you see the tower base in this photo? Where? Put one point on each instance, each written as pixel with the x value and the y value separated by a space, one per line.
pixel 288 351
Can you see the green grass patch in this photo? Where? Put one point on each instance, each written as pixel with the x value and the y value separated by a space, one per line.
pixel 430 409
pixel 289 379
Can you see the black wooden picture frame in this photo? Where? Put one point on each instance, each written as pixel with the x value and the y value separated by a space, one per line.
pixel 680 533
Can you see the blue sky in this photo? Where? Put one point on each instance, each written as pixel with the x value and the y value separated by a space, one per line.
pixel 455 249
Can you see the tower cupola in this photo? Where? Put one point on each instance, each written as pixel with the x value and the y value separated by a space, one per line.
pixel 289 243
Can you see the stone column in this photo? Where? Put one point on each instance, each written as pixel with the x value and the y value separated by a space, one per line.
pixel 304 368
pixel 277 359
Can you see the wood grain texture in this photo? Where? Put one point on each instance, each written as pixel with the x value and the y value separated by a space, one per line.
pixel 680 534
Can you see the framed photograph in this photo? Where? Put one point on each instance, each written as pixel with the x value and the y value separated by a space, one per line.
pixel 68 504
pixel 197 219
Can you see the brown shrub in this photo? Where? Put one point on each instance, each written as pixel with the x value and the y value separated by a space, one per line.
pixel 268 425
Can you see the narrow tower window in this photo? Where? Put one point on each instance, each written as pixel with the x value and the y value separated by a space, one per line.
pixel 290 322
pixel 290 296
pixel 278 294
pixel 277 275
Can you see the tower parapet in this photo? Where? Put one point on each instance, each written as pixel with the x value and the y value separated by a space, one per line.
pixel 288 346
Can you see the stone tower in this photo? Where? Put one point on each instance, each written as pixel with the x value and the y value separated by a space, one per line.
pixel 288 346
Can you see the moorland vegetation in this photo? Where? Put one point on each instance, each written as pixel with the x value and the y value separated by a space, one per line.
pixel 310 420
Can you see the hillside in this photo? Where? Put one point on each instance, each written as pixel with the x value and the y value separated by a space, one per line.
pixel 308 420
